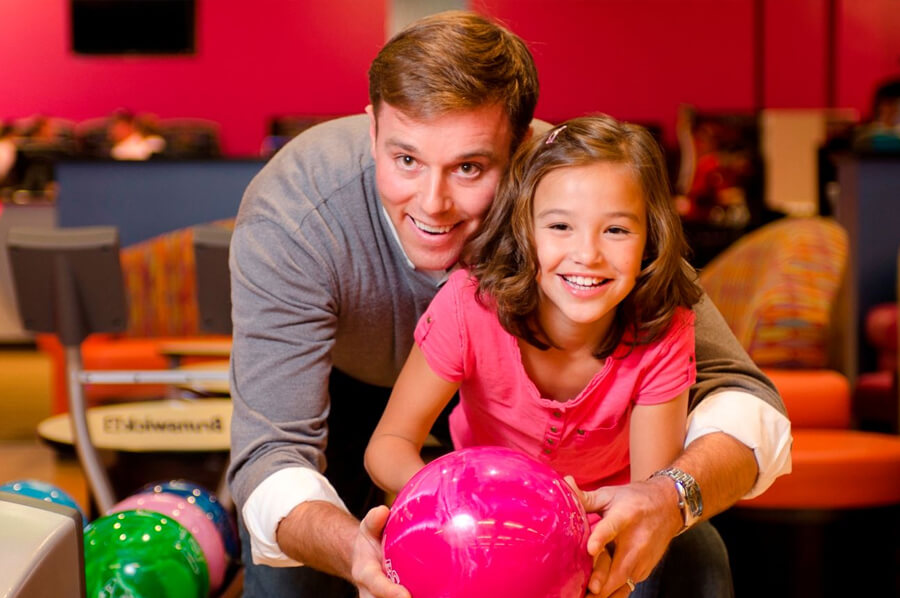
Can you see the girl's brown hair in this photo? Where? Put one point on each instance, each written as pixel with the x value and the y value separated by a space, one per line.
pixel 503 258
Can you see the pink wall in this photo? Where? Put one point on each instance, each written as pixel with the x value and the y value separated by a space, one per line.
pixel 639 59
pixel 635 59
pixel 869 36
pixel 254 60
pixel 795 50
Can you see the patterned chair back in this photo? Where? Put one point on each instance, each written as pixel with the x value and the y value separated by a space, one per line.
pixel 777 287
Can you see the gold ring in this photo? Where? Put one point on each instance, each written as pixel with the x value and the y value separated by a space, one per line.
pixel 630 583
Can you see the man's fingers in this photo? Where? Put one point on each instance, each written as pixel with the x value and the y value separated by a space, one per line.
pixel 601 570
pixel 603 533
pixel 597 500
pixel 374 521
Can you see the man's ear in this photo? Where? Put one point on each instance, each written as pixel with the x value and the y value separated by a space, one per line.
pixel 373 126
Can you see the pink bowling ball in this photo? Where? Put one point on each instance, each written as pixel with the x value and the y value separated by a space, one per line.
pixel 191 517
pixel 486 522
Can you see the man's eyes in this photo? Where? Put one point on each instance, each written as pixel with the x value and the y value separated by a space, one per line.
pixel 406 162
pixel 470 169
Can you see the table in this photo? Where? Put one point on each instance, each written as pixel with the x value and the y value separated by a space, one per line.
pixel 207 387
pixel 177 350
pixel 169 425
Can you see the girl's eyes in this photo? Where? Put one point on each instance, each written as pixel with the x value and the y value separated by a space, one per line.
pixel 613 230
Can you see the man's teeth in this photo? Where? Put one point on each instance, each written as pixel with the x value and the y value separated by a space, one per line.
pixel 584 281
pixel 435 230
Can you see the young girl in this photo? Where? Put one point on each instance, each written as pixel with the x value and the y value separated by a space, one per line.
pixel 570 335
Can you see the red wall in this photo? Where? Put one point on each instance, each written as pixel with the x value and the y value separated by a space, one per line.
pixel 254 60
pixel 637 59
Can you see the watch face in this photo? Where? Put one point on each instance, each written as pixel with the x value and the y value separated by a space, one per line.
pixel 690 499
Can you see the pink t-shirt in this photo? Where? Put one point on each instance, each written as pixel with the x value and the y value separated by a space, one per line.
pixel 586 437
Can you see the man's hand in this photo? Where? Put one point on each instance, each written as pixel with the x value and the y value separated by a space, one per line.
pixel 366 570
pixel 637 523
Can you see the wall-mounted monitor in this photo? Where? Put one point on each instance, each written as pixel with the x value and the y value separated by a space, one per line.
pixel 110 27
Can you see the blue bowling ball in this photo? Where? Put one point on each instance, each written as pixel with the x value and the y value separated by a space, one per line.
pixel 43 491
pixel 206 500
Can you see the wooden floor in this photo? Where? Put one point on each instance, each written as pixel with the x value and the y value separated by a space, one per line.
pixel 24 459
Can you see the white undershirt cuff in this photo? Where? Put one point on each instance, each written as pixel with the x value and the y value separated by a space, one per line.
pixel 272 501
pixel 754 423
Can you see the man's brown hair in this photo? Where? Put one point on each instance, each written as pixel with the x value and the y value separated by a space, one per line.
pixel 452 61
pixel 503 258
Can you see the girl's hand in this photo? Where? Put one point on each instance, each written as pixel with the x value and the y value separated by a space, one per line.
pixel 368 575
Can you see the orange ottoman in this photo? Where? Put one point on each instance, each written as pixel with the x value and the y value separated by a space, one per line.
pixel 837 469
pixel 830 527
pixel 817 398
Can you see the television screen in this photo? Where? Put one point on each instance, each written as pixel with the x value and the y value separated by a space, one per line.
pixel 133 26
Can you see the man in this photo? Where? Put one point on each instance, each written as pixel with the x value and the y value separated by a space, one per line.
pixel 340 243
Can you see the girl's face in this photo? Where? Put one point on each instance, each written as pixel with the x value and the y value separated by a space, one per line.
pixel 590 229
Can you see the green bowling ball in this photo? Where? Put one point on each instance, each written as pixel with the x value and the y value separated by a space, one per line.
pixel 143 554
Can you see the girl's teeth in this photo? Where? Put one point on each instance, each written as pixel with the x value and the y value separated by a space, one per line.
pixel 583 281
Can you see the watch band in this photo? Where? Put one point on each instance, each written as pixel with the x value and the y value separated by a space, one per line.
pixel 690 500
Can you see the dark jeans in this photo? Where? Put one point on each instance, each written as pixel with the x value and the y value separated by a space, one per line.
pixel 695 566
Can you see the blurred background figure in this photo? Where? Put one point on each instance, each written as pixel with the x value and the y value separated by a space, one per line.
pixel 882 131
pixel 7 155
pixel 134 138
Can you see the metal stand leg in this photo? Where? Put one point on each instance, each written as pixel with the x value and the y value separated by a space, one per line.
pixel 97 477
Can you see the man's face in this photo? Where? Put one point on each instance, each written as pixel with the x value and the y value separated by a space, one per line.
pixel 438 177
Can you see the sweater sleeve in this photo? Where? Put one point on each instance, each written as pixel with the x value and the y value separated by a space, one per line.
pixel 284 326
pixel 722 364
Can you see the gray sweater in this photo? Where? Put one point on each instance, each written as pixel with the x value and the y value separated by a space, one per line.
pixel 319 281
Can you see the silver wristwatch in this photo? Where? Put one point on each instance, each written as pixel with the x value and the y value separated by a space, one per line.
pixel 690 501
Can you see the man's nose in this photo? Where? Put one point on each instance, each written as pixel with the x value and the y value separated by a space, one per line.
pixel 435 194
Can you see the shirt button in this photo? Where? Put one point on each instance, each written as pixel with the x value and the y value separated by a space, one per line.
pixel 549 441
pixel 428 319
pixel 553 428
pixel 580 431
pixel 557 414
pixel 546 451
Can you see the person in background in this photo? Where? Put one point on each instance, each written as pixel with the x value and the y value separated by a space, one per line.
pixel 133 138
pixel 569 335
pixel 882 131
pixel 341 242
pixel 8 151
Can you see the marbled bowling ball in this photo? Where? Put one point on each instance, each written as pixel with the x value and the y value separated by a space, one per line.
pixel 43 491
pixel 486 522
pixel 206 500
pixel 143 554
